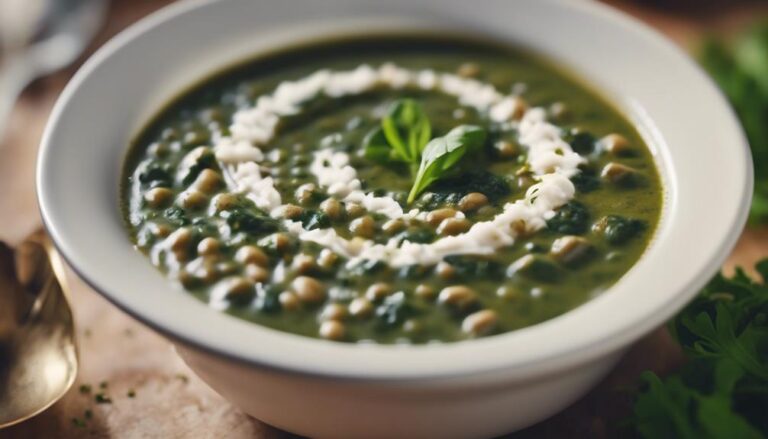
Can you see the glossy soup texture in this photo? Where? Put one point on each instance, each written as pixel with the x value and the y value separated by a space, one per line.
pixel 199 211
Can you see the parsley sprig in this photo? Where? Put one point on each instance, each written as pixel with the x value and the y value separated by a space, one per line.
pixel 740 68
pixel 404 136
pixel 723 389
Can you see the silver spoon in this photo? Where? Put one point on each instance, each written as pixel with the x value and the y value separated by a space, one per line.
pixel 39 37
pixel 38 350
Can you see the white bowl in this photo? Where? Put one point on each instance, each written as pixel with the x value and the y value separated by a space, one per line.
pixel 469 389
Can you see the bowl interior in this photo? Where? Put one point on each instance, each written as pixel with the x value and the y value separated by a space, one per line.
pixel 706 173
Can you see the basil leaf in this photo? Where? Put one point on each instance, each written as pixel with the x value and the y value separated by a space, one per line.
pixel 376 148
pixel 407 129
pixel 442 153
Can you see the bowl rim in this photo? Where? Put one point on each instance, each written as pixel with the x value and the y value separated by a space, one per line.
pixel 344 361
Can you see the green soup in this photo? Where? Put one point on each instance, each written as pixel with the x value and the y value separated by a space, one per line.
pixel 278 191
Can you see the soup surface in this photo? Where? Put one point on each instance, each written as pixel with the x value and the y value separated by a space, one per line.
pixel 392 190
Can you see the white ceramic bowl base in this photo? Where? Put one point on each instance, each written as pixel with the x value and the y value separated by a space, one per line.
pixel 464 407
pixel 470 389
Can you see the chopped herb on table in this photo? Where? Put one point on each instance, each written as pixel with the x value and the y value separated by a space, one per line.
pixel 722 391
pixel 81 422
pixel 102 398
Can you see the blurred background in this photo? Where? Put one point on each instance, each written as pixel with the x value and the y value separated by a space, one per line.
pixel 150 391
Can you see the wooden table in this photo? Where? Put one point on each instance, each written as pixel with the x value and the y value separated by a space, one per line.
pixel 154 394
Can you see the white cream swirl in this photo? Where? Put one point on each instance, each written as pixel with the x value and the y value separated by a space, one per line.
pixel 551 160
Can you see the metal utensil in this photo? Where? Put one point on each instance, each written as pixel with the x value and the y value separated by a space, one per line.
pixel 40 42
pixel 38 351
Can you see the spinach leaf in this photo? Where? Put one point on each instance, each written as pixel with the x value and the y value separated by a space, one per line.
pixel 413 271
pixel 241 221
pixel 419 235
pixel 268 298
pixel 360 270
pixel 586 181
pixel 442 153
pixel 618 230
pixel 155 175
pixel 570 219
pixel 176 216
pixel 472 267
pixel 251 221
pixel 451 189
pixel 582 142
pixel 314 219
pixel 188 173
pixel 394 310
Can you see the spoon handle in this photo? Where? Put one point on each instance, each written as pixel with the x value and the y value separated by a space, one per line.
pixel 28 276
pixel 38 357
pixel 40 272
pixel 10 308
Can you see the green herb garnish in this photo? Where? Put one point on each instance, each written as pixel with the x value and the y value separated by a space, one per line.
pixel 741 71
pixel 442 153
pixel 102 398
pixel 405 131
pixel 82 422
pixel 723 389
pixel 404 136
